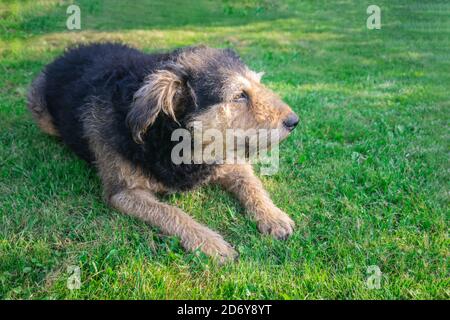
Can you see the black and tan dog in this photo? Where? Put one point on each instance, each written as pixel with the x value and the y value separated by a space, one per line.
pixel 116 107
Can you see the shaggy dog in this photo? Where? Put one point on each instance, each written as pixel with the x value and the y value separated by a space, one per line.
pixel 117 107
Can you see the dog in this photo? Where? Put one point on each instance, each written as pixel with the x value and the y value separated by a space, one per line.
pixel 116 107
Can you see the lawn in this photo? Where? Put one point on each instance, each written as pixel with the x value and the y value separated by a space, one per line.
pixel 365 175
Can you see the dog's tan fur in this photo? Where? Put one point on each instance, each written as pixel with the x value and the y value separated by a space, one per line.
pixel 36 104
pixel 161 87
pixel 266 110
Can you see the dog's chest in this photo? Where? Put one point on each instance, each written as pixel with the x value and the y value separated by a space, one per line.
pixel 182 177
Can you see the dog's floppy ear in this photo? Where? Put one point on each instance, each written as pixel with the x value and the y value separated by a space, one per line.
pixel 158 93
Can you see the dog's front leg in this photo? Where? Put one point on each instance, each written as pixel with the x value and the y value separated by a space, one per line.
pixel 242 182
pixel 172 221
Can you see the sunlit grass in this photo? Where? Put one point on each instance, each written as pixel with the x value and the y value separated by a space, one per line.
pixel 365 176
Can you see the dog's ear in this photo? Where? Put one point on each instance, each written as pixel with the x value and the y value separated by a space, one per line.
pixel 159 92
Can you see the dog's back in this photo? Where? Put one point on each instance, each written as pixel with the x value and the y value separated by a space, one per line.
pixel 61 94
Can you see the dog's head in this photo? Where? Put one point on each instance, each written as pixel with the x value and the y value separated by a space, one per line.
pixel 212 87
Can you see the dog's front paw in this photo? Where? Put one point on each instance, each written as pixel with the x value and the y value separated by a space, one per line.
pixel 219 249
pixel 212 244
pixel 277 224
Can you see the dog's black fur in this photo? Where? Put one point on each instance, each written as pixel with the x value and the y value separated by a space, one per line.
pixel 107 76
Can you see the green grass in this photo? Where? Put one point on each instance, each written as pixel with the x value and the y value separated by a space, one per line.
pixel 365 176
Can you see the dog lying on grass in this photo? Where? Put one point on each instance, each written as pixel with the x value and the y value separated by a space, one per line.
pixel 116 108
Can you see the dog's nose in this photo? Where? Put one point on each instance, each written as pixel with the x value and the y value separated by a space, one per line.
pixel 291 121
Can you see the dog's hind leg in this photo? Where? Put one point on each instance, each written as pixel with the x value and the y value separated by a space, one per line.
pixel 172 221
pixel 38 106
pixel 241 181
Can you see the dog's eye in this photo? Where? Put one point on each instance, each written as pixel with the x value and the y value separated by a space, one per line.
pixel 241 97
